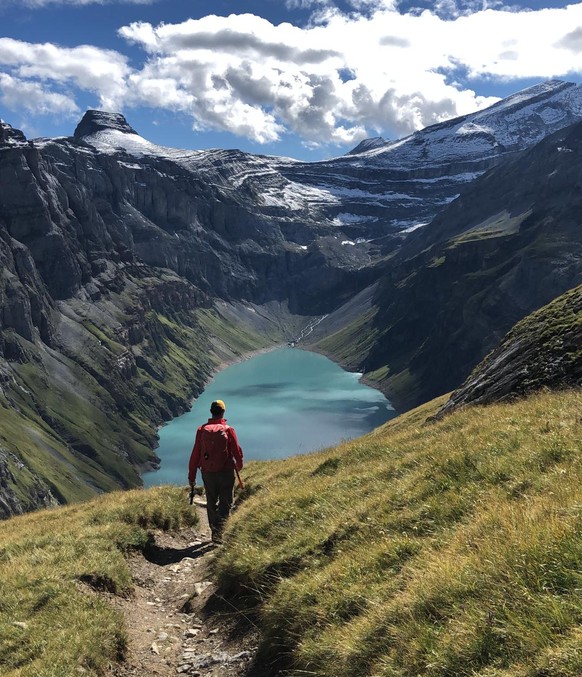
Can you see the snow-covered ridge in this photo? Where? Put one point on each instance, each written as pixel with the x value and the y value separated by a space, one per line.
pixel 384 186
pixel 517 121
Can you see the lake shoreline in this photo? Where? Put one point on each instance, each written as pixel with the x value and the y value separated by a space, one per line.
pixel 363 378
pixel 283 402
pixel 155 463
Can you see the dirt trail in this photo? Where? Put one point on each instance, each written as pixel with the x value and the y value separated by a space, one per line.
pixel 170 628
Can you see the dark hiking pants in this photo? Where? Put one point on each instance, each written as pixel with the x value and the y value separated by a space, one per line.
pixel 219 488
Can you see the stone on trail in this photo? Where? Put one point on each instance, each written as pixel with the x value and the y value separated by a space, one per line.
pixel 199 588
pixel 243 655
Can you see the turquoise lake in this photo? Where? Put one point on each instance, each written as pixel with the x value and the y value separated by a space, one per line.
pixel 284 402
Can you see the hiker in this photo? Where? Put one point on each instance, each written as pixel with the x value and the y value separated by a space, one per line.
pixel 218 454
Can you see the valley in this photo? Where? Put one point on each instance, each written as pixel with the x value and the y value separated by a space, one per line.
pixel 446 541
pixel 131 272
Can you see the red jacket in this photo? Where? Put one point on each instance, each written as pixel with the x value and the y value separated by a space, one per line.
pixel 235 451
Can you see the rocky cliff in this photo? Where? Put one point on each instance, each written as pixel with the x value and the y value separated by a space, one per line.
pixel 509 244
pixel 544 350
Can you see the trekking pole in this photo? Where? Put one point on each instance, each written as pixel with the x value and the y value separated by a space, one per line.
pixel 240 482
pixel 191 494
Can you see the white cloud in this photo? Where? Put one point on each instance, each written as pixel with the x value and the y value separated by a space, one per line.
pixel 103 72
pixel 373 70
pixel 18 94
pixel 295 79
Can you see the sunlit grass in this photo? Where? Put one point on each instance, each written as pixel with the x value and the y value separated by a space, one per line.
pixel 439 549
pixel 54 565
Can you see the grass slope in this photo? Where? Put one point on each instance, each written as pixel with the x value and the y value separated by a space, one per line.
pixel 450 548
pixel 51 623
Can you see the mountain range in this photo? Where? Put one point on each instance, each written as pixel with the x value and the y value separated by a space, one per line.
pixel 130 271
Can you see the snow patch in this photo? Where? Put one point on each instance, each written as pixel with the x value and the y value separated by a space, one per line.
pixel 346 217
pixel 413 227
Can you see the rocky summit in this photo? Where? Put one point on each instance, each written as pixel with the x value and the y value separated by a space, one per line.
pixel 130 271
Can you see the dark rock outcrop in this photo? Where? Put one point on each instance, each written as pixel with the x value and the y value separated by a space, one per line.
pixel 97 120
pixel 10 136
pixel 544 350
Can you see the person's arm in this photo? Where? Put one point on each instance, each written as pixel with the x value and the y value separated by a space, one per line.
pixel 194 459
pixel 235 449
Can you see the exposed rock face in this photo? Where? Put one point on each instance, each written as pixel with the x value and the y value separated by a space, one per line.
pixel 10 136
pixel 97 121
pixel 510 244
pixel 543 350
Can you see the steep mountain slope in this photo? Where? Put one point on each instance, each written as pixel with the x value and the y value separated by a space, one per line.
pixel 380 188
pixel 510 244
pixel 383 187
pixel 101 340
pixel 113 260
pixel 129 271
pixel 544 350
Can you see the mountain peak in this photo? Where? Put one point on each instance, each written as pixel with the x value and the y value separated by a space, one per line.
pixel 10 136
pixel 98 121
pixel 368 144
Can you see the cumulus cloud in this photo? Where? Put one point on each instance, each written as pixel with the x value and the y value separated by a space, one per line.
pixel 18 94
pixel 103 72
pixel 296 78
pixel 402 65
pixel 374 69
pixel 572 40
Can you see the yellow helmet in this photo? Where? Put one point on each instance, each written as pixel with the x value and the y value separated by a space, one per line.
pixel 218 404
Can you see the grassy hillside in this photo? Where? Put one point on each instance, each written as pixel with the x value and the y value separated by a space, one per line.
pixel 439 549
pixel 51 624
pixel 442 549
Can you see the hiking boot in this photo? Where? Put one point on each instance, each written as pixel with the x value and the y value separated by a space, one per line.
pixel 216 537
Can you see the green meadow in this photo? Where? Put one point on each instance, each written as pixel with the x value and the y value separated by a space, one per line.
pixel 434 549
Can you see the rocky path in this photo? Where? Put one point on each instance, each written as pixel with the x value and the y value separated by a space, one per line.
pixel 174 623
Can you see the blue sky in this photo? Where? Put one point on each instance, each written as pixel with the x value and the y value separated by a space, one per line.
pixel 303 78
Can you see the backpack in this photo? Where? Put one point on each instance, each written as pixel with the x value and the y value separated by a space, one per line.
pixel 214 448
